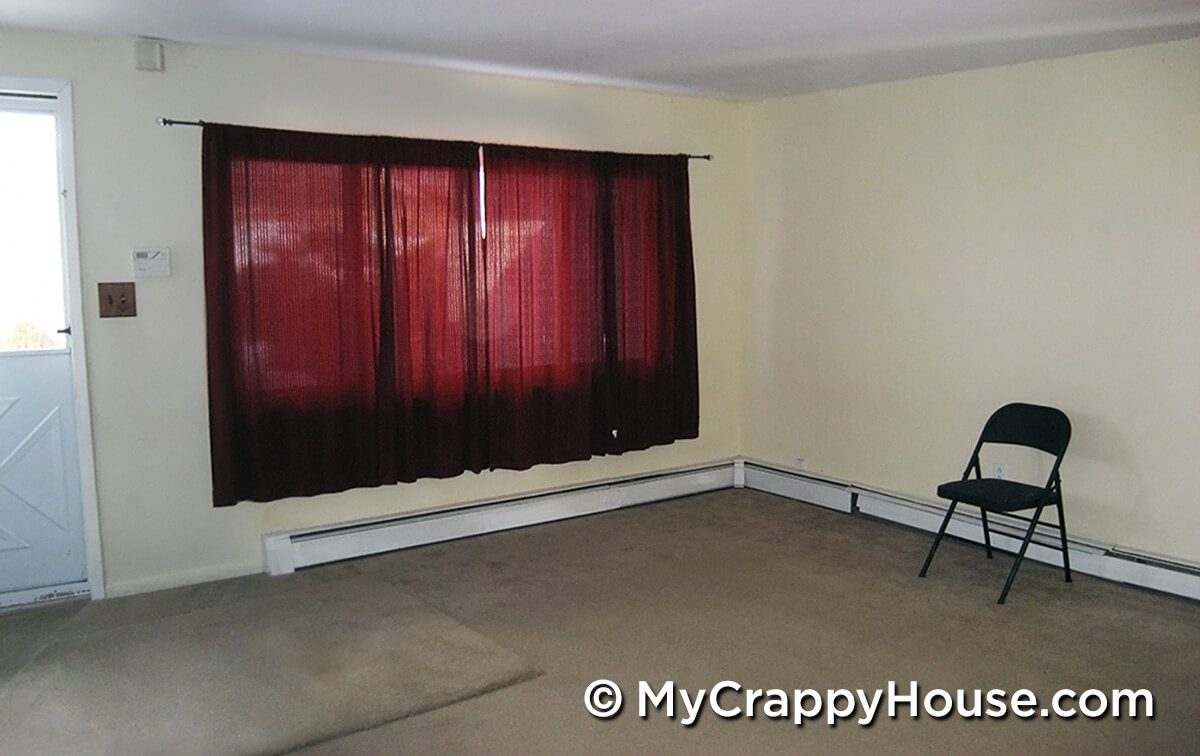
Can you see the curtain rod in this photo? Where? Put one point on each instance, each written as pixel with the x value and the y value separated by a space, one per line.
pixel 177 122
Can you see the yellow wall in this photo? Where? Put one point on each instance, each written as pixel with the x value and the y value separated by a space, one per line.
pixel 927 250
pixel 877 269
pixel 139 185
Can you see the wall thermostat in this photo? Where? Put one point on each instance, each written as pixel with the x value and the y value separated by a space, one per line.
pixel 152 262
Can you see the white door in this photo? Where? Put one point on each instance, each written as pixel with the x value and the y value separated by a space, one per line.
pixel 42 544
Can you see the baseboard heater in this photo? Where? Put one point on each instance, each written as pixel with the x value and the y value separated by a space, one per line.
pixel 286 551
pixel 1109 562
pixel 1114 563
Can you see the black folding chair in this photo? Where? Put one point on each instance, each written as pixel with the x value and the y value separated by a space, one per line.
pixel 1043 428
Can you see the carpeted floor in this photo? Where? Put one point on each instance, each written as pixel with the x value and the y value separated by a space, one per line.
pixel 748 587
pixel 254 676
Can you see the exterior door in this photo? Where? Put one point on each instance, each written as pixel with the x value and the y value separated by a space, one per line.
pixel 42 542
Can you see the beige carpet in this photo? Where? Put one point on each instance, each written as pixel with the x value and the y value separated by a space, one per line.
pixel 740 585
pixel 260 676
pixel 731 585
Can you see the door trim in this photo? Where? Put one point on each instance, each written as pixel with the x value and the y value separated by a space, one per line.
pixel 61 91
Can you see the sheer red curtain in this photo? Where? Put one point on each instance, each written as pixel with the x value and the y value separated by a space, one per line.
pixel 590 300
pixel 364 326
pixel 651 316
pixel 542 289
pixel 435 252
pixel 337 280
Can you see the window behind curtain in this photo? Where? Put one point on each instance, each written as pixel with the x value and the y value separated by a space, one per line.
pixel 362 331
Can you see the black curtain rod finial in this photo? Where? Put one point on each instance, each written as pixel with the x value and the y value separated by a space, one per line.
pixel 175 122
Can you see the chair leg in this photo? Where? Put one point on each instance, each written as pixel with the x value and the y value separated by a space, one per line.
pixel 987 536
pixel 1062 532
pixel 938 538
pixel 1012 574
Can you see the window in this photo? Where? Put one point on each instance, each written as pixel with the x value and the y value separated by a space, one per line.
pixel 364 330
pixel 32 300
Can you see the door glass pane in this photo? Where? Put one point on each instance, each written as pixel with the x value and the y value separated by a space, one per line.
pixel 32 306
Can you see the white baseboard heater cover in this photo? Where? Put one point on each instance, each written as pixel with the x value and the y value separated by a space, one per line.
pixel 1110 563
pixel 797 485
pixel 287 551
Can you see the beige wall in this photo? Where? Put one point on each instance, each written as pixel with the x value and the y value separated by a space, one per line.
pixel 139 185
pixel 927 250
pixel 877 269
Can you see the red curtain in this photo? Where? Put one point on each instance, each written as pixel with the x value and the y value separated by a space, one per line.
pixel 651 315
pixel 542 335
pixel 591 328
pixel 336 270
pixel 364 326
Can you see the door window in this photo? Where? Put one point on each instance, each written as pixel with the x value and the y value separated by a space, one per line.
pixel 32 302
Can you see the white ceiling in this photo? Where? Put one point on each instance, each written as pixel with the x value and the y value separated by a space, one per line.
pixel 735 49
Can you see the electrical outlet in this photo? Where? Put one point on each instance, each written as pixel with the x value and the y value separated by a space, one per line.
pixel 800 463
pixel 999 470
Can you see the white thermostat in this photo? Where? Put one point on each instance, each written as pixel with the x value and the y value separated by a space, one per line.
pixel 152 262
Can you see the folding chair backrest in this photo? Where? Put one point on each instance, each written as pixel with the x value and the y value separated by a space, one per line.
pixel 1044 428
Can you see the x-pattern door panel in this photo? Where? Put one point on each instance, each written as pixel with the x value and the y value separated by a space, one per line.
pixel 41 523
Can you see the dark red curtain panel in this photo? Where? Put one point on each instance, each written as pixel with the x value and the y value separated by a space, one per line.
pixel 542 334
pixel 651 315
pixel 433 254
pixel 336 271
pixel 591 320
pixel 366 327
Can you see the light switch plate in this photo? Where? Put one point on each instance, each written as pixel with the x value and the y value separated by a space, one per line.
pixel 118 300
pixel 152 262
